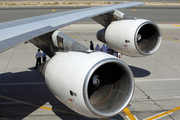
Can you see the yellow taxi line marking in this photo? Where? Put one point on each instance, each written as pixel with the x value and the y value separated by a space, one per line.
pixel 167 36
pixel 43 107
pixel 157 116
pixel 38 106
pixel 129 114
pixel 73 36
pixel 134 9
pixel 160 115
pixel 47 108
pixel 176 25
pixel 53 9
pixel 126 110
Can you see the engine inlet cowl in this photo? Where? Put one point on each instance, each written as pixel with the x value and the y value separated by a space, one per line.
pixel 93 84
pixel 132 37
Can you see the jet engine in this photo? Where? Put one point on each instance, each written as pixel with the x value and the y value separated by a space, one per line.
pixel 134 37
pixel 93 84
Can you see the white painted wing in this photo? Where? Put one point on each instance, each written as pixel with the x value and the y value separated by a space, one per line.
pixel 15 32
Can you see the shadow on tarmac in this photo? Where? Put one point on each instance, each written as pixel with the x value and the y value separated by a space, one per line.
pixel 78 116
pixel 139 72
pixel 19 98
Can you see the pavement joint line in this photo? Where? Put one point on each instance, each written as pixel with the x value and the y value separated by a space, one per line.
pixel 162 114
pixel 33 83
pixel 78 33
pixel 166 65
pixel 8 62
pixel 155 103
pixel 174 40
pixel 129 115
pixel 8 103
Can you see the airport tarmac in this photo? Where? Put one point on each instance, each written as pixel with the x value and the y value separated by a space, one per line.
pixel 24 95
pixel 157 14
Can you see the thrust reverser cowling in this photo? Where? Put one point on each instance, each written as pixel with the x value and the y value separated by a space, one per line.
pixel 132 37
pixel 92 84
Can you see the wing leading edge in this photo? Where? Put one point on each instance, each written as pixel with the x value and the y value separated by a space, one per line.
pixel 15 32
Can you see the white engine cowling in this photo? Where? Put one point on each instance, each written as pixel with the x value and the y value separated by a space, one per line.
pixel 132 37
pixel 93 84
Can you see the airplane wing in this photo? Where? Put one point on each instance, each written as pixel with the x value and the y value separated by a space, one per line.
pixel 15 32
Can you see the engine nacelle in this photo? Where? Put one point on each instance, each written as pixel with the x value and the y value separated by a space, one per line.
pixel 132 37
pixel 93 84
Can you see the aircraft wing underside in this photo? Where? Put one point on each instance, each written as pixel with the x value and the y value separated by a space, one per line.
pixel 15 32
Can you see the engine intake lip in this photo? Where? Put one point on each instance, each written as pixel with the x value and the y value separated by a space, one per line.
pixel 122 90
pixel 151 38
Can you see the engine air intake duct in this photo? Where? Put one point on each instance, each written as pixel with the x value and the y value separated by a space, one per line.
pixel 111 90
pixel 149 38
